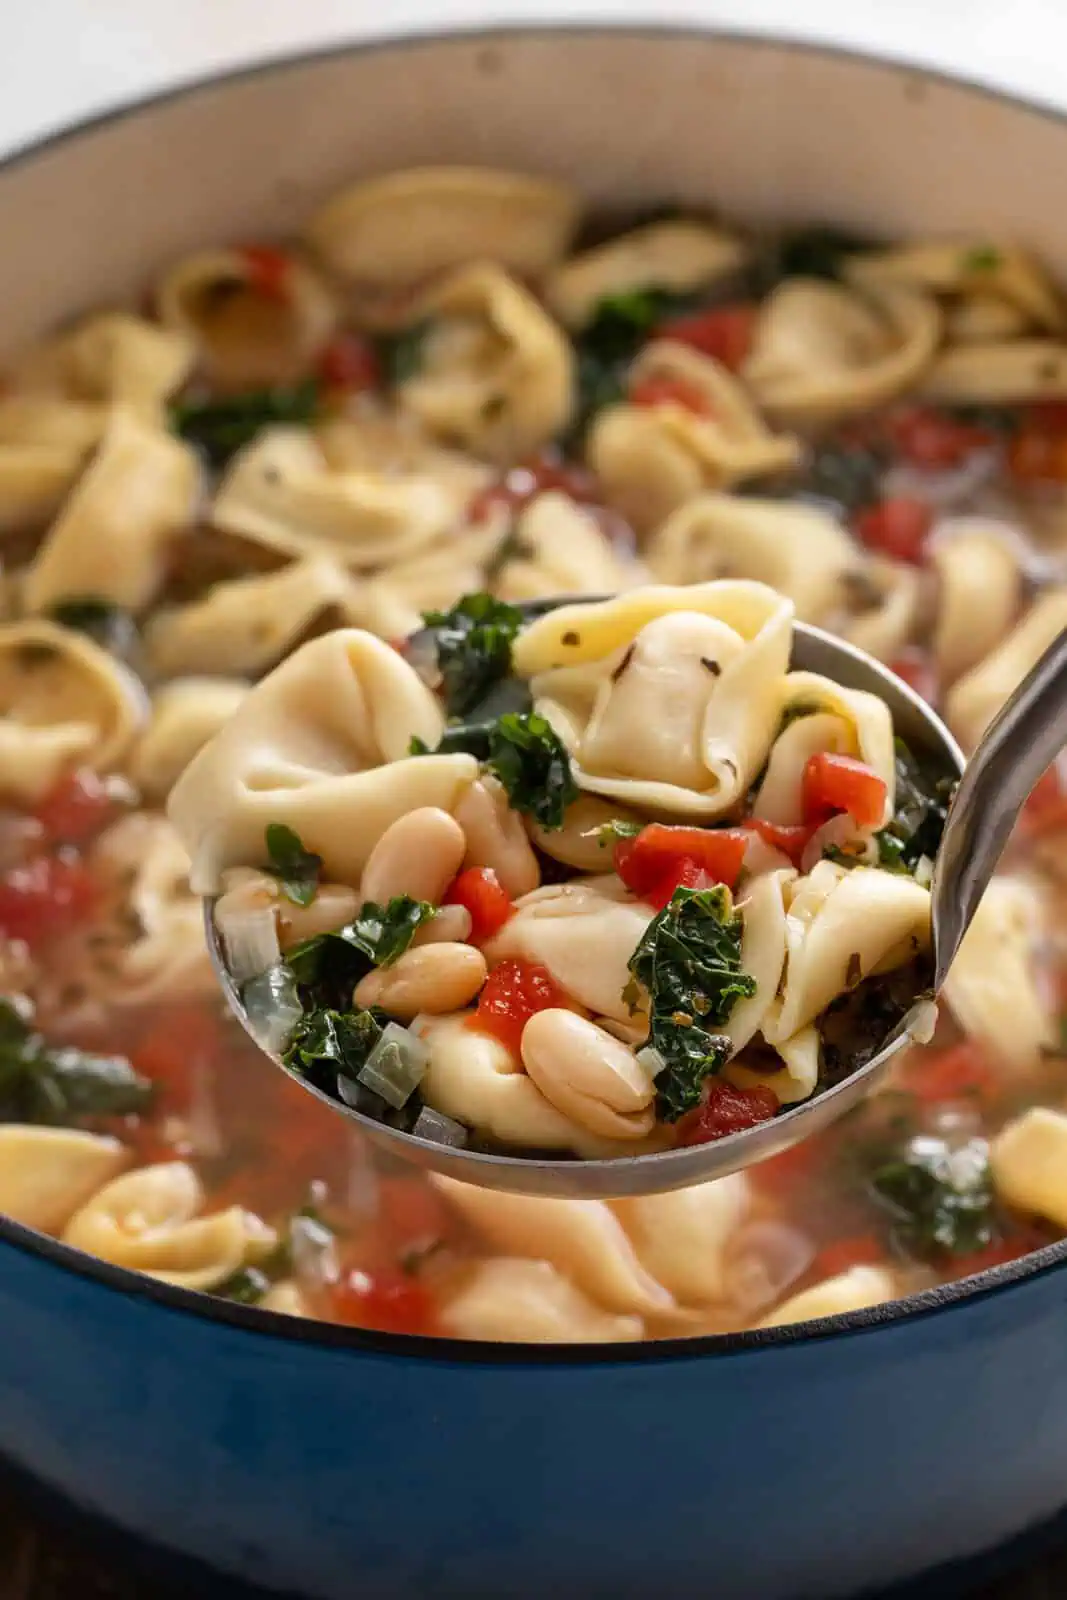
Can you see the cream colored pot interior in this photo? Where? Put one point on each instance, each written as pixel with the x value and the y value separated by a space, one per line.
pixel 759 130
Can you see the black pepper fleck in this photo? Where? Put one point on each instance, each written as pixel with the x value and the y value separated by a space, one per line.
pixel 623 664
pixel 712 666
pixel 571 638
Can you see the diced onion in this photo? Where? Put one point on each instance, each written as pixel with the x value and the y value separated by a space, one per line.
pixel 395 1066
pixel 839 833
pixel 273 1008
pixel 650 1061
pixel 249 937
pixel 434 1125
pixel 420 652
pixel 313 1250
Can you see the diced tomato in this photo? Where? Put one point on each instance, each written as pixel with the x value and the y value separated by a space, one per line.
pixel 917 671
pixel 479 890
pixel 391 1301
pixel 671 392
pixel 79 806
pixel 44 898
pixel 724 334
pixel 268 270
pixel 929 438
pixel 538 475
pixel 511 995
pixel 833 783
pixel 790 838
pixel 897 528
pixel 959 1071
pixel 859 1250
pixel 661 859
pixel 781 1175
pixel 1048 414
pixel 349 362
pixel 1038 455
pixel 412 1214
pixel 1046 809
pixel 726 1110
pixel 174 1048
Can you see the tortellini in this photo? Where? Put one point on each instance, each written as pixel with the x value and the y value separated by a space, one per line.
pixel 46 1174
pixel 965 273
pixel 821 715
pixel 281 493
pixel 561 550
pixel 509 1298
pixel 246 624
pixel 974 700
pixel 495 374
pixel 886 601
pixel 112 538
pixel 1010 372
pixel 149 1219
pixel 980 590
pixel 667 699
pixel 253 318
pixel 821 350
pixel 681 1237
pixel 113 358
pixel 651 458
pixel 1028 1159
pixel 802 551
pixel 677 254
pixel 393 232
pixel 993 986
pixel 63 700
pixel 307 749
pixel 44 442
pixel 186 713
pixel 855 1290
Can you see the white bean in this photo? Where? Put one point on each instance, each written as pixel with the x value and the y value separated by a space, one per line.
pixel 437 978
pixel 576 843
pixel 417 855
pixel 497 839
pixel 451 925
pixel 587 1075
pixel 334 905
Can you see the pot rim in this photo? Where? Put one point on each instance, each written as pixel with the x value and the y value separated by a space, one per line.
pixel 133 1285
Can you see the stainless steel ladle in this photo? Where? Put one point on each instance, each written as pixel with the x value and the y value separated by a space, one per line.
pixel 1019 745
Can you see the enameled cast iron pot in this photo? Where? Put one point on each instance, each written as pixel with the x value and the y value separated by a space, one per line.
pixel 804 1464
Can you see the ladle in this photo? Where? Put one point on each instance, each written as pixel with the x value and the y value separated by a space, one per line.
pixel 1017 748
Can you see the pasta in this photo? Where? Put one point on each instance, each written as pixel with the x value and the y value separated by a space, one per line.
pixel 448 385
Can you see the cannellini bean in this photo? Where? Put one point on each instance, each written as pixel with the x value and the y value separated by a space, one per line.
pixel 418 855
pixel 451 925
pixel 588 1075
pixel 497 839
pixel 246 889
pixel 437 978
pixel 576 843
pixel 334 905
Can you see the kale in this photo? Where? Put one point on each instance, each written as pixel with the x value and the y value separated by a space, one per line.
pixel 529 758
pixel 328 1045
pixel 473 643
pixel 919 820
pixel 108 625
pixel 400 354
pixel 611 338
pixel 847 475
pixel 940 1198
pixel 982 258
pixel 221 427
pixel 296 869
pixel 377 937
pixel 816 252
pixel 689 962
pixel 58 1085
pixel 472 734
pixel 246 1287
pixel 305 1232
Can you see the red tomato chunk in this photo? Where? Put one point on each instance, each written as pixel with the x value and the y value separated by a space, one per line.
pixel 388 1300
pixel 671 392
pixel 897 528
pixel 268 270
pixel 727 1110
pixel 790 838
pixel 724 334
pixel 530 478
pixel 917 671
pixel 928 438
pixel 512 993
pixel 834 783
pixel 79 806
pixel 44 898
pixel 478 889
pixel 860 1250
pixel 349 362
pixel 961 1070
pixel 661 859
pixel 1046 809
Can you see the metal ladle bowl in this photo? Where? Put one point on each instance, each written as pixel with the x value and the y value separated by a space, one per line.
pixel 1016 750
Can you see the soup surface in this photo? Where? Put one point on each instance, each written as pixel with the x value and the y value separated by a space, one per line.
pixel 451 383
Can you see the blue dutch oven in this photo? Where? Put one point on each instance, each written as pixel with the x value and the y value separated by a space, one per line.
pixel 808 1463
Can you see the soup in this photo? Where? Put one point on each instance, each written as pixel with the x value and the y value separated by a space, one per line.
pixel 446 386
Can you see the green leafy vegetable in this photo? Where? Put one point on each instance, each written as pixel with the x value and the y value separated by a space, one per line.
pixel 377 937
pixel 330 1044
pixel 607 344
pixel 60 1085
pixel 529 758
pixel 848 475
pixel 400 355
pixel 222 427
pixel 296 869
pixel 816 252
pixel 941 1198
pixel 473 643
pixel 983 258
pixel 689 962
pixel 919 821
pixel 609 833
pixel 245 1287
pixel 108 625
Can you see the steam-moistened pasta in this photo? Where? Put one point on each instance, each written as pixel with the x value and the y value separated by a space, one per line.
pixel 607 1005
pixel 446 386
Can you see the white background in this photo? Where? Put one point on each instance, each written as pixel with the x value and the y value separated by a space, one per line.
pixel 61 60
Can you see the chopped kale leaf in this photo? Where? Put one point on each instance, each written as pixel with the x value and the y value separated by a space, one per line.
pixel 328 1045
pixel 400 355
pixel 473 643
pixel 940 1198
pixel 816 252
pixel 919 820
pixel 529 758
pixel 221 427
pixel 296 869
pixel 60 1085
pixel 689 963
pixel 377 937
pixel 108 625
pixel 607 344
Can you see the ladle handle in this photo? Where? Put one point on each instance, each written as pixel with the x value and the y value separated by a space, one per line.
pixel 1023 739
